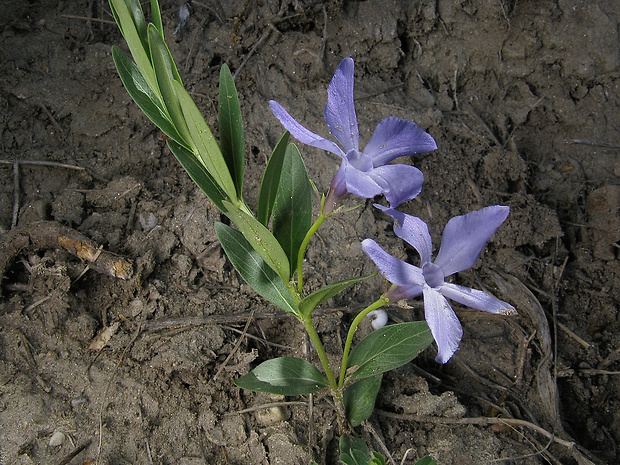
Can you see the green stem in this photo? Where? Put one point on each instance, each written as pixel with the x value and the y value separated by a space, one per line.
pixel 318 345
pixel 347 346
pixel 304 245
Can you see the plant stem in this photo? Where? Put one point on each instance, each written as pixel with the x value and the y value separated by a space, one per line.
pixel 304 245
pixel 347 346
pixel 318 345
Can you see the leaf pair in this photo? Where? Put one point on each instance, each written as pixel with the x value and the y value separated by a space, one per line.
pixel 381 351
pixel 154 83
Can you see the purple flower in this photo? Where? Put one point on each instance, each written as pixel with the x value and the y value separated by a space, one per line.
pixel 363 173
pixel 462 241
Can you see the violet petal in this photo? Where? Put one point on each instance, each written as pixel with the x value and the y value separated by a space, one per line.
pixel 396 271
pixel 464 237
pixel 400 182
pixel 477 299
pixel 302 134
pixel 394 137
pixel 443 323
pixel 413 230
pixel 339 111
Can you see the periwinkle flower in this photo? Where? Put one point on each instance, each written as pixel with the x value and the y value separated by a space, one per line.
pixel 461 243
pixel 364 173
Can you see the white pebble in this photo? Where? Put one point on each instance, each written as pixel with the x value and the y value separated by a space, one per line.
pixel 57 439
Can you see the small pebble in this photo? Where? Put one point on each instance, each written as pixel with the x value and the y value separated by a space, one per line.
pixel 57 439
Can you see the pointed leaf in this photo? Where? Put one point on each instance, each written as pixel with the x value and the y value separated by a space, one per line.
pixel 388 348
pixel 261 240
pixel 231 128
pixel 142 94
pixel 156 16
pixel 254 270
pixel 199 174
pixel 271 180
pixel 359 399
pixel 287 376
pixel 292 210
pixel 166 73
pixel 139 49
pixel 310 302
pixel 204 143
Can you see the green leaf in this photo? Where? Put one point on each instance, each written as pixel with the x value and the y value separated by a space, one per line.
pixel 139 50
pixel 359 399
pixel 156 17
pixel 353 451
pixel 204 143
pixel 254 270
pixel 287 376
pixel 231 128
pixel 292 210
pixel 376 458
pixel 426 461
pixel 199 174
pixel 261 240
pixel 310 302
pixel 271 180
pixel 142 94
pixel 166 73
pixel 388 348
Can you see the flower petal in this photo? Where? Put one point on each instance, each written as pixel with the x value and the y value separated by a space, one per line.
pixel 443 323
pixel 464 237
pixel 302 134
pixel 395 137
pixel 477 299
pixel 413 230
pixel 400 182
pixel 360 183
pixel 396 271
pixel 339 111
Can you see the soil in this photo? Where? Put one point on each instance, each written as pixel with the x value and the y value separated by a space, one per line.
pixel 523 99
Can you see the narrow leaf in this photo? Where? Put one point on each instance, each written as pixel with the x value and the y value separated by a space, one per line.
pixel 292 210
pixel 254 270
pixel 156 17
pixel 261 240
pixel 388 348
pixel 287 376
pixel 199 174
pixel 231 128
pixel 271 180
pixel 142 94
pixel 310 302
pixel 167 74
pixel 359 399
pixel 204 143
pixel 139 50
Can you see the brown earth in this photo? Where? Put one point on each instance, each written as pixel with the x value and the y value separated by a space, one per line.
pixel 523 100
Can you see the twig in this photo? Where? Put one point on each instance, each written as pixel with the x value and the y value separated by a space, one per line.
pixel 85 18
pixel 252 50
pixel 49 234
pixel 71 455
pixel 107 389
pixel 265 406
pixel 477 421
pixel 595 143
pixel 15 194
pixel 234 350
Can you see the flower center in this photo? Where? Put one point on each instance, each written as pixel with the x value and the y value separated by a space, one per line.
pixel 433 274
pixel 359 161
